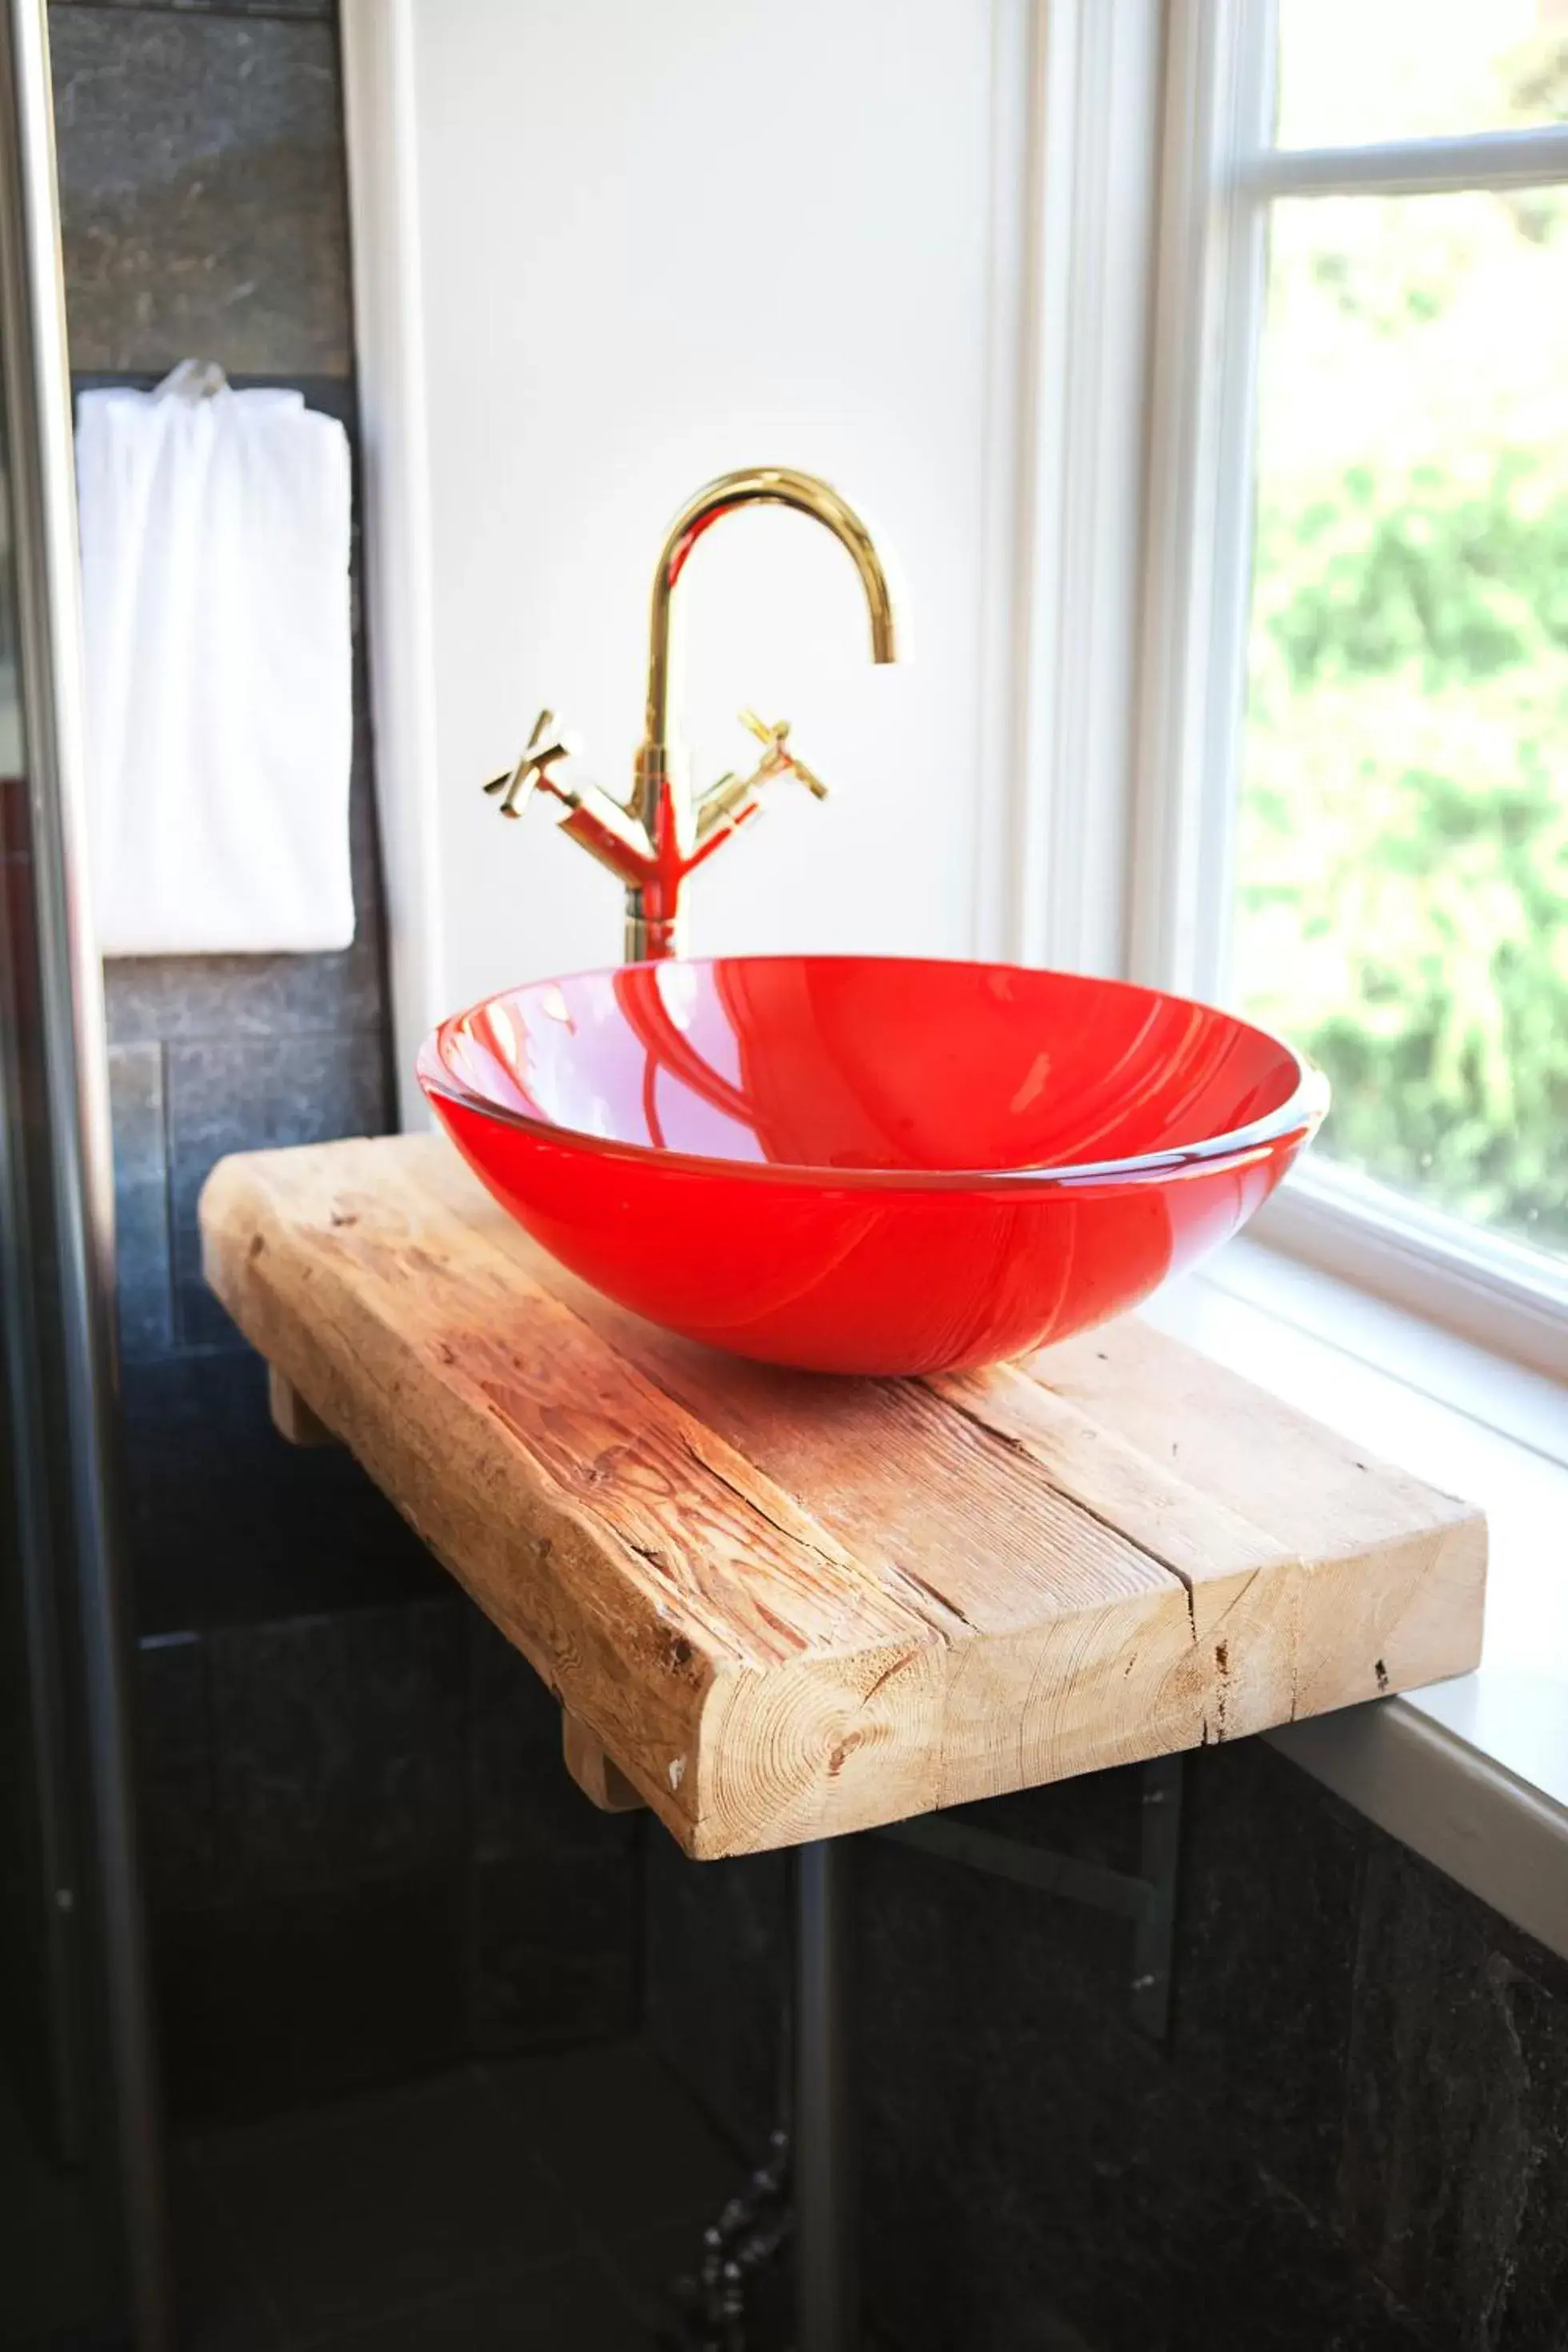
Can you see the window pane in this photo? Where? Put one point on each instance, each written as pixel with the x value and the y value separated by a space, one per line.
pixel 1402 875
pixel 1352 70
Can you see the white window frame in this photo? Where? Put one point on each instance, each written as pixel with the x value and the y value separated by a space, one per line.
pixel 1191 250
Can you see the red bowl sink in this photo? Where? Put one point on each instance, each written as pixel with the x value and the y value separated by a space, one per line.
pixel 865 1163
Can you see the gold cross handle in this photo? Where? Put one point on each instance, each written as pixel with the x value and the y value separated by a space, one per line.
pixel 546 744
pixel 777 754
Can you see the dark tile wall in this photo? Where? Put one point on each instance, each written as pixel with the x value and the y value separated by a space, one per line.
pixel 555 1921
pixel 716 1961
pixel 366 1858
pixel 369 1859
pixel 1353 2139
pixel 202 188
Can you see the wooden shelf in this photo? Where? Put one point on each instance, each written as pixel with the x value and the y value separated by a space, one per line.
pixel 786 1607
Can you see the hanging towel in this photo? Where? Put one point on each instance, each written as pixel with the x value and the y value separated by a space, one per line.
pixel 214 550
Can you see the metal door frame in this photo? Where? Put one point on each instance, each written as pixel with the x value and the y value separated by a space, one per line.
pixel 70 1056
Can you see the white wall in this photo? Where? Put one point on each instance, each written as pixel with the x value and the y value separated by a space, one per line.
pixel 630 246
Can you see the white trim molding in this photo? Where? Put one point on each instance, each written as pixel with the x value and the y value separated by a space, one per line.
pixel 1408 167
pixel 1016 68
pixel 1219 85
pixel 1437 1792
pixel 1506 1297
pixel 1091 185
pixel 377 39
pixel 1220 174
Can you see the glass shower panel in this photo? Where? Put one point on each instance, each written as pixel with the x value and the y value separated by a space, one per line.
pixel 80 2201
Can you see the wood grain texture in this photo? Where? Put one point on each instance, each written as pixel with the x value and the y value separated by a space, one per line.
pixel 786 1607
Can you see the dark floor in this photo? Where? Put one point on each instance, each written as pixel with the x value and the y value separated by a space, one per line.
pixel 66 2281
pixel 539 2205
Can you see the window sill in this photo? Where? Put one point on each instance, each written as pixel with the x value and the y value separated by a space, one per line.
pixel 1472 1774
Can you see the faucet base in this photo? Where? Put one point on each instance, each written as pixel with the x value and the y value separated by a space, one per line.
pixel 651 939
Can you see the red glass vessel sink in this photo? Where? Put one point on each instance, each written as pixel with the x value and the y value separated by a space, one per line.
pixel 869 1164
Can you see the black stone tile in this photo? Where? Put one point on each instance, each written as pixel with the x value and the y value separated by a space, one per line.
pixel 555 1940
pixel 716 1968
pixel 546 1812
pixel 556 1887
pixel 717 1938
pixel 1533 2314
pixel 228 1524
pixel 221 2307
pixel 1246 2263
pixel 265 2005
pixel 136 1112
pixel 984 2088
pixel 57 2261
pixel 104 2334
pixel 622 2135
pixel 571 2306
pixel 337 1746
pixel 248 1095
pixel 142 1288
pixel 1455 2181
pixel 1096 1818
pixel 355 2214
pixel 201 190
pixel 176 1767
pixel 514 1746
pixel 1268 1916
pixel 1031 2163
pixel 186 997
pixel 522 1798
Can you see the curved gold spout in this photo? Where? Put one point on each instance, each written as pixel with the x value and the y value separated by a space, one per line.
pixel 758 486
pixel 660 799
pixel 654 843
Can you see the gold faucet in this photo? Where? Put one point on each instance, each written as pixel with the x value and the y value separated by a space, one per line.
pixel 653 843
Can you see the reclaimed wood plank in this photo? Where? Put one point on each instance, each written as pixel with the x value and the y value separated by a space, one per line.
pixel 1383 1552
pixel 782 1607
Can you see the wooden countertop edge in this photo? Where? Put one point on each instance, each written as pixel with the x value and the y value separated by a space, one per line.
pixel 607 1648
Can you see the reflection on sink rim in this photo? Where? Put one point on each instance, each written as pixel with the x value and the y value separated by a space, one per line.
pixel 1297 1114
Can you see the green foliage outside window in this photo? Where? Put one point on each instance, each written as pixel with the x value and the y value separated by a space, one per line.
pixel 1403 862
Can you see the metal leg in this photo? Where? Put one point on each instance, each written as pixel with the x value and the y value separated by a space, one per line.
pixel 827 2285
pixel 812 2157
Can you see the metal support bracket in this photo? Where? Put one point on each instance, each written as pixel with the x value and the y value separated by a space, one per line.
pixel 1148 1900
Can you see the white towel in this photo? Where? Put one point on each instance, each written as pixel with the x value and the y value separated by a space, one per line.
pixel 214 550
